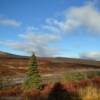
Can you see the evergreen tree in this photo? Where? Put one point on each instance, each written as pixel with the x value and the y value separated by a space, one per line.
pixel 33 79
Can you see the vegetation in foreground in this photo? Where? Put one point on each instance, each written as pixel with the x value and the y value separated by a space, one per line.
pixel 68 90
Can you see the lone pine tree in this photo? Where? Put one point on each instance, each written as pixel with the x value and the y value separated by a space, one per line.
pixel 33 79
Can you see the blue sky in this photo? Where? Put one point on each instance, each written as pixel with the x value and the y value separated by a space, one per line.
pixel 51 27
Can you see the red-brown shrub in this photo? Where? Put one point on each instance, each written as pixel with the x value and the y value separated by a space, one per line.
pixel 96 81
pixel 47 89
pixel 11 91
pixel 84 83
pixel 33 92
pixel 69 87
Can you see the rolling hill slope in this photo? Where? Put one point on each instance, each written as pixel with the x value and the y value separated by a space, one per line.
pixel 11 64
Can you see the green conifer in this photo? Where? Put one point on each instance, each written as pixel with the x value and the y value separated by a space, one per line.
pixel 33 79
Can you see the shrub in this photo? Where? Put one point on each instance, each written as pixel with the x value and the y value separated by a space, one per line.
pixel 12 91
pixel 81 75
pixel 92 74
pixel 75 76
pixel 31 94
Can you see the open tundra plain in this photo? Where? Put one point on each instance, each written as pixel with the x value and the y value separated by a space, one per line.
pixel 63 78
pixel 14 67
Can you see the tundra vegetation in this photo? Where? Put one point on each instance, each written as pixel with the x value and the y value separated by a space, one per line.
pixel 75 86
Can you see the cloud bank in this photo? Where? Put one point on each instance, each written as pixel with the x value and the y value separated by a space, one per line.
pixel 41 44
pixel 86 16
pixel 90 55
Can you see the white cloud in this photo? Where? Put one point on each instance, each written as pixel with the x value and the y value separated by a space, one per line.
pixel 52 25
pixel 90 55
pixel 87 16
pixel 9 22
pixel 75 17
pixel 35 42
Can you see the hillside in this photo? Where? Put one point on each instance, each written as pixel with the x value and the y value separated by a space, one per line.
pixel 11 64
pixel 9 55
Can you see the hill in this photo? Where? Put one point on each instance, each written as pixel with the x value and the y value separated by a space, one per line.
pixel 9 55
pixel 11 64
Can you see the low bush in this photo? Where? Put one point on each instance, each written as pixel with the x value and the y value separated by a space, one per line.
pixel 14 91
pixel 81 75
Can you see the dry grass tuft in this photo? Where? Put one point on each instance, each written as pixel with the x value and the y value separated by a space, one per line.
pixel 90 93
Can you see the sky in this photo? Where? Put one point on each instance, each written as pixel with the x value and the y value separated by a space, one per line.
pixel 51 28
